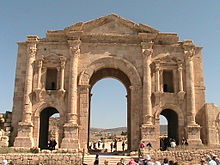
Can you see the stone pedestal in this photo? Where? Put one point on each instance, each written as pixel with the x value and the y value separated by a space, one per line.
pixel 148 134
pixel 70 140
pixel 25 135
pixel 193 135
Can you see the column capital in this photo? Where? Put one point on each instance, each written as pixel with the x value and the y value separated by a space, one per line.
pixel 157 65
pixel 135 87
pixel 62 62
pixel 147 48
pixel 180 66
pixel 32 49
pixel 189 51
pixel 74 46
pixel 84 87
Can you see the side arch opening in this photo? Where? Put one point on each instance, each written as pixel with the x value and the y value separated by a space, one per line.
pixel 172 128
pixel 49 127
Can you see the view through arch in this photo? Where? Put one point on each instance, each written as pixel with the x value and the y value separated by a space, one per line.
pixel 49 127
pixel 168 128
pixel 108 113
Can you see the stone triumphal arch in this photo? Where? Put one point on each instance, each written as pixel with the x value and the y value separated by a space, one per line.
pixel 162 76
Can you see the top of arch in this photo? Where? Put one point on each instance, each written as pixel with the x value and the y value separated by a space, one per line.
pixel 111 24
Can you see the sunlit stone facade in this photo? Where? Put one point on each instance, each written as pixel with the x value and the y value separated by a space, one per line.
pixel 162 76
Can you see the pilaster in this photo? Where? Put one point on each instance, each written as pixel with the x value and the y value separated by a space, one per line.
pixel 62 68
pixel 71 129
pixel 192 129
pixel 147 128
pixel 25 127
pixel 147 51
pixel 157 92
pixel 181 93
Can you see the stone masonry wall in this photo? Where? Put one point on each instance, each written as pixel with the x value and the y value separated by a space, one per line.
pixel 5 128
pixel 191 156
pixel 46 159
pixel 213 123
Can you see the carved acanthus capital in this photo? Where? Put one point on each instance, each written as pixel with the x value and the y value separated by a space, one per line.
pixel 32 49
pixel 74 47
pixel 147 52
pixel 189 51
pixel 147 49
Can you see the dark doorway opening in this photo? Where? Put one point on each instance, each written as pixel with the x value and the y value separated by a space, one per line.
pixel 51 79
pixel 172 128
pixel 44 126
pixel 168 81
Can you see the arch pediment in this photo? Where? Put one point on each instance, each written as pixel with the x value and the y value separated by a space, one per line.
pixel 111 24
pixel 167 58
pixel 53 60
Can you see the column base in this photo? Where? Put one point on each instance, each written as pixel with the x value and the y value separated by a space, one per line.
pixel 25 135
pixel 193 134
pixel 71 139
pixel 148 134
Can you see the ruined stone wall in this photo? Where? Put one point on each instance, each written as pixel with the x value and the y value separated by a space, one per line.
pixel 47 159
pixel 212 120
pixel 5 128
pixel 192 157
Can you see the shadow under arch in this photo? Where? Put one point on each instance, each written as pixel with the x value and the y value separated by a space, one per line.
pixel 45 114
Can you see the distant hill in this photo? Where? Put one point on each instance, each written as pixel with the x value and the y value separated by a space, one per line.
pixel 118 130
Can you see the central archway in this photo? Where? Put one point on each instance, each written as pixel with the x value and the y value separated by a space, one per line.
pixel 120 76
pixel 124 71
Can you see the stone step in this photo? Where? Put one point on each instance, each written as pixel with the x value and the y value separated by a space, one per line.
pixel 112 159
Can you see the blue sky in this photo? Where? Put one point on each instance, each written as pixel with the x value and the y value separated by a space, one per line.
pixel 197 20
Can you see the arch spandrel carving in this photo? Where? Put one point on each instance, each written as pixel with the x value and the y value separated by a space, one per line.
pixel 111 62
